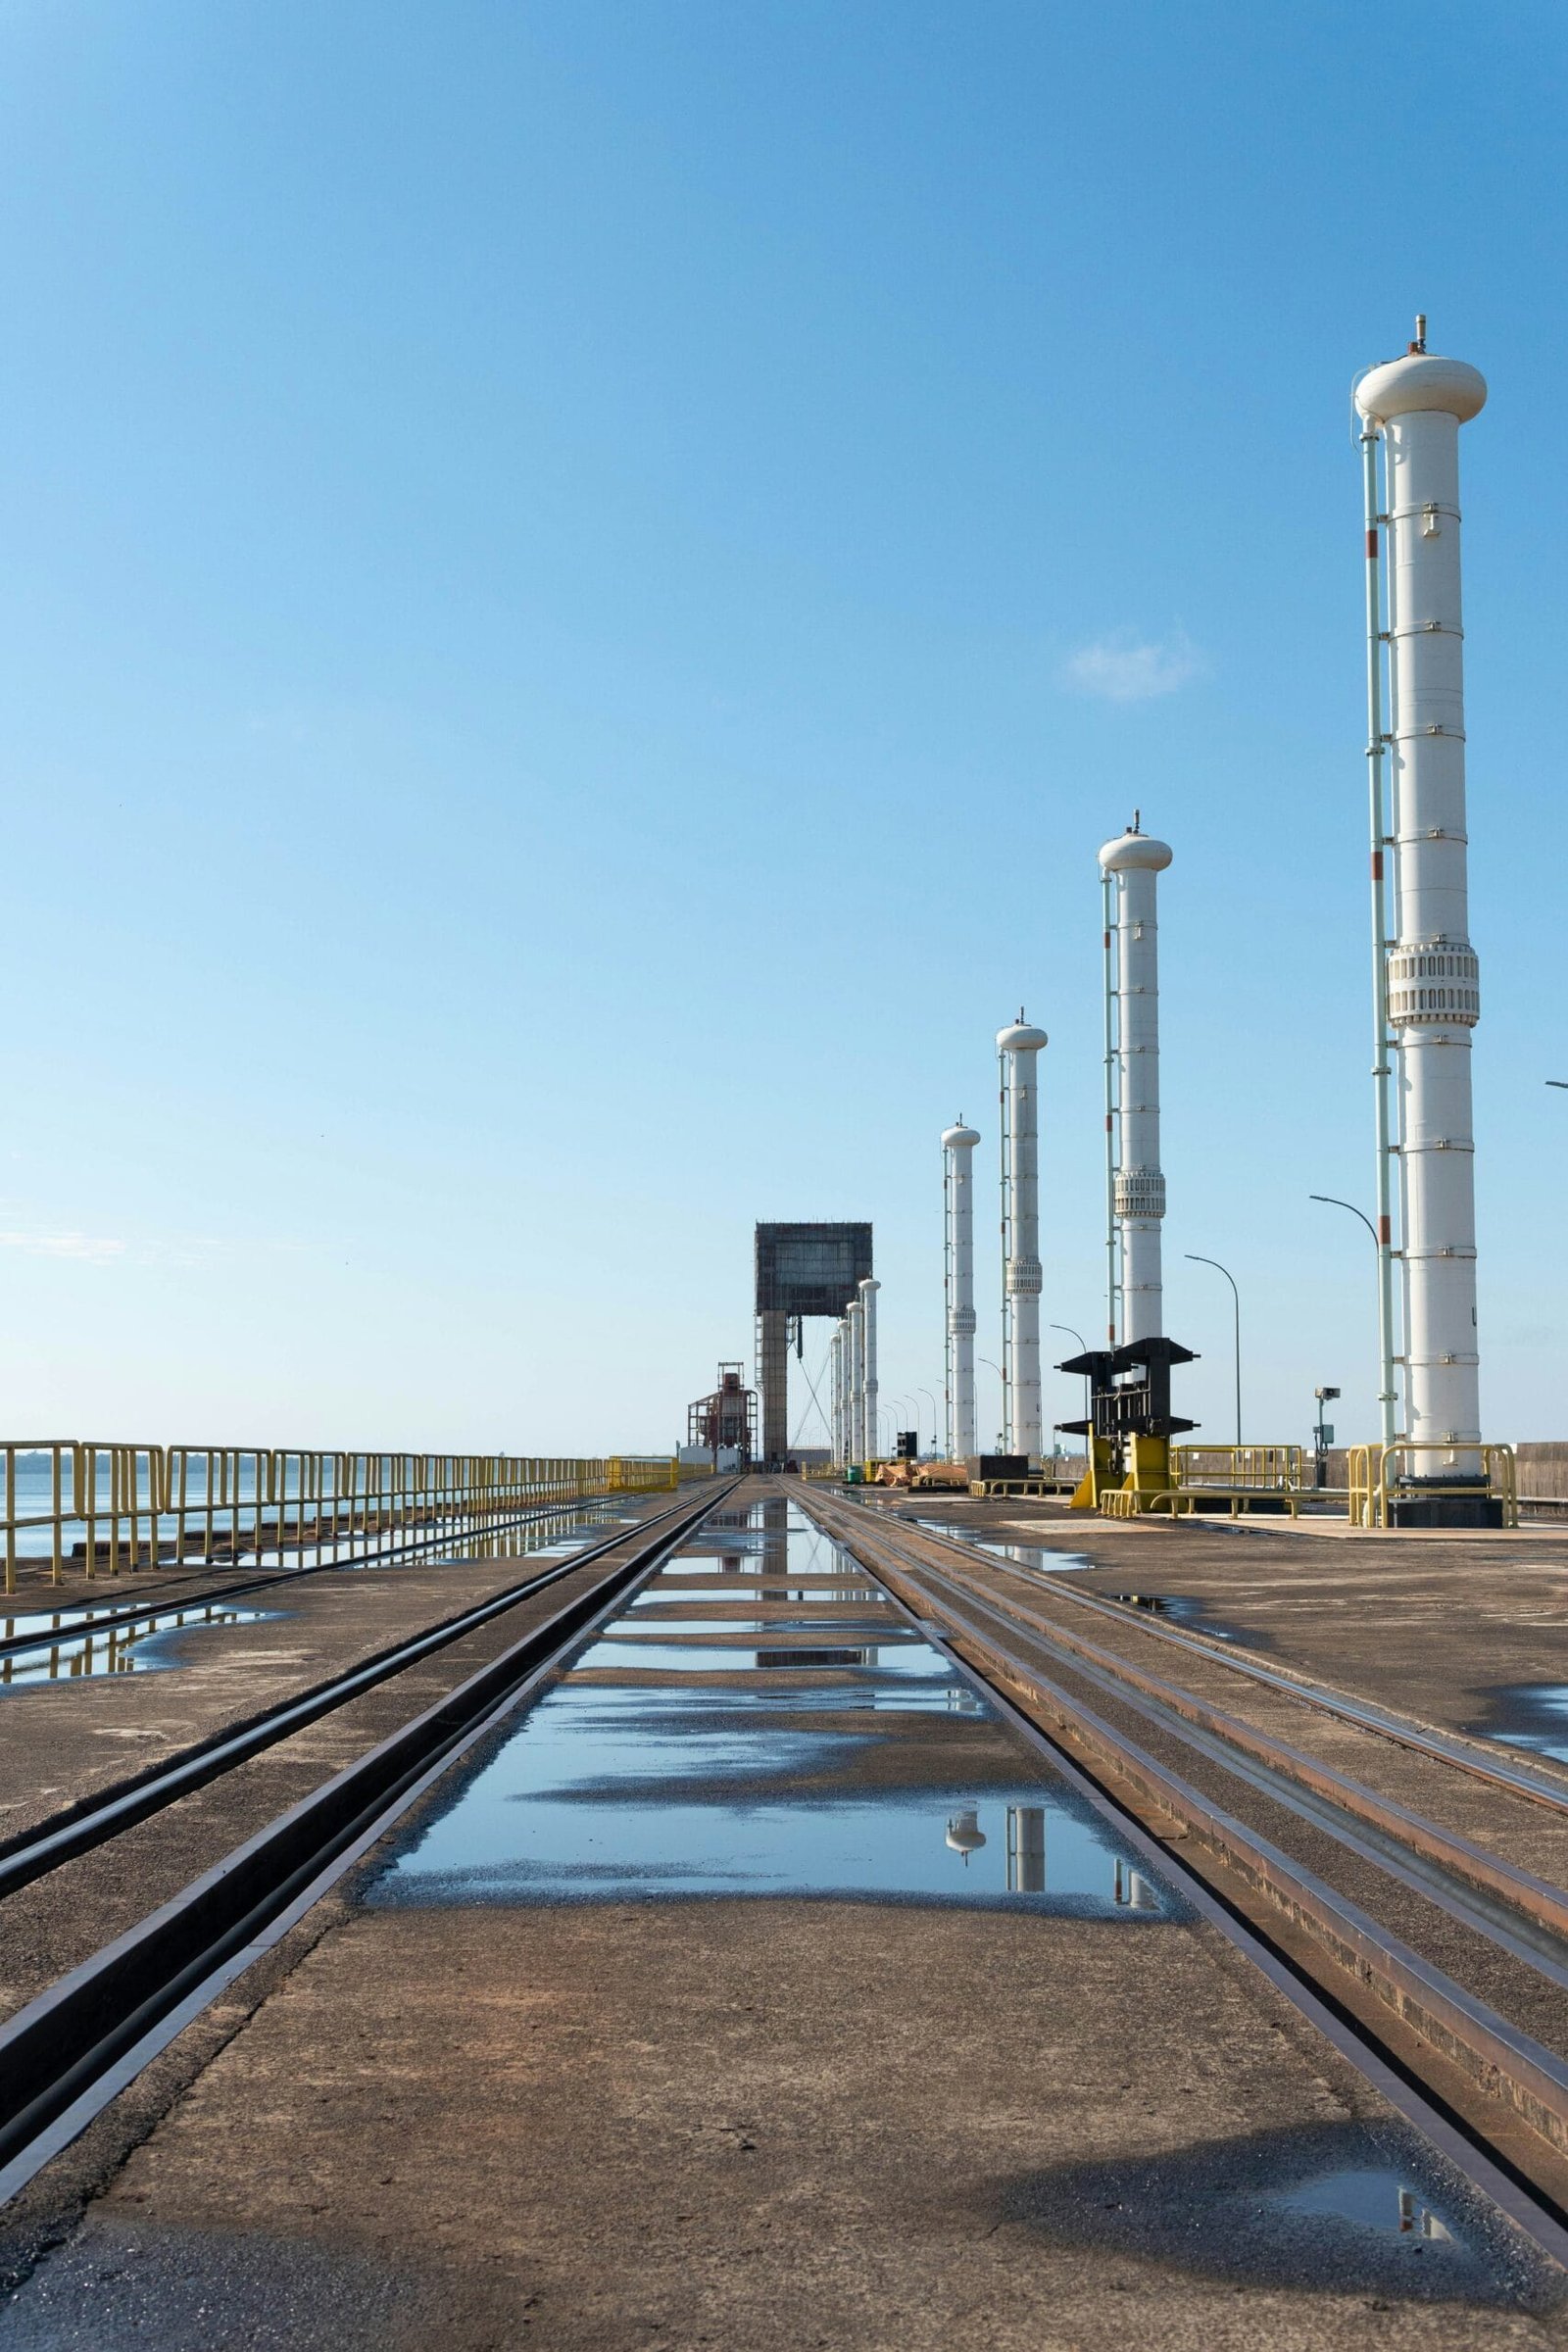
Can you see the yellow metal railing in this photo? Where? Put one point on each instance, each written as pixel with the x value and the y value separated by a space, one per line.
pixel 1258 1469
pixel 1182 1502
pixel 107 1507
pixel 1375 1478
pixel 1176 1479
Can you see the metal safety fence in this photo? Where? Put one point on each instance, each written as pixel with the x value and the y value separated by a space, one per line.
pixel 104 1509
pixel 1255 1469
pixel 1381 1476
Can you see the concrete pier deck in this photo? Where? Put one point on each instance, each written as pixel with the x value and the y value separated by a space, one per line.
pixel 609 2114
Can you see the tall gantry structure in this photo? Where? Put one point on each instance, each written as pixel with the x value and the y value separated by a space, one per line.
pixel 804 1271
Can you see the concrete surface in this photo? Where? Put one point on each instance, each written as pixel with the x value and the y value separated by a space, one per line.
pixel 765 2124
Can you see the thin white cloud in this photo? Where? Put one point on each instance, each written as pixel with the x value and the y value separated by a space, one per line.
pixel 1124 667
pixel 91 1248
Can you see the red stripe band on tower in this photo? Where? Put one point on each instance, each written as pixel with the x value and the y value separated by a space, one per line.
pixel 1371 547
pixel 1377 865
pixel 1385 1234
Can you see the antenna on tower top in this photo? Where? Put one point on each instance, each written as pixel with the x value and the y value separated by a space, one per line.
pixel 1420 342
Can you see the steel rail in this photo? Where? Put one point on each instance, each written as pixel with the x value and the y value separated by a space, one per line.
pixel 1447 1747
pixel 1500 2062
pixel 70 2050
pixel 77 1828
pixel 1537 1899
pixel 1494 1895
pixel 110 1618
pixel 1511 1908
pixel 1533 2210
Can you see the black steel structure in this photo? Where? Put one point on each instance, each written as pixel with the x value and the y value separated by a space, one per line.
pixel 804 1269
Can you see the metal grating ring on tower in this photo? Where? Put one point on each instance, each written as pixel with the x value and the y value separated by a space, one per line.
pixel 1139 1193
pixel 1437 983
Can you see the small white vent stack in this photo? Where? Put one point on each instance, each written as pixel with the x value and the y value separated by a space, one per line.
pixel 958 1200
pixel 1431 983
pixel 1018 1048
pixel 1131 866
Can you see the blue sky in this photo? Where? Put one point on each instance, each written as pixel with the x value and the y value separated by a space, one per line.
pixel 581 585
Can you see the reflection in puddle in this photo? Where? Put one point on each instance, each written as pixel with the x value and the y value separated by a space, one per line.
pixel 672 1627
pixel 142 1645
pixel 854 1763
pixel 1534 1716
pixel 1027 1556
pixel 1374 2199
pixel 895 1653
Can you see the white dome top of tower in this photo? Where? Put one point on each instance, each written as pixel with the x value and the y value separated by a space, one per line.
pixel 964 1834
pixel 1020 1038
pixel 958 1137
pixel 1130 851
pixel 1421 379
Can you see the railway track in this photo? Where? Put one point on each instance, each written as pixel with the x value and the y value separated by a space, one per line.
pixel 1434 1961
pixel 1542 1786
pixel 78 2043
pixel 77 1828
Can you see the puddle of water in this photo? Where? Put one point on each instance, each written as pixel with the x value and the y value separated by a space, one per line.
pixel 1373 2198
pixel 883 1654
pixel 1354 2209
pixel 855 1764
pixel 673 1593
pixel 1030 1556
pixel 670 1621
pixel 146 1643
pixel 1180 1607
pixel 46 1623
pixel 1534 1717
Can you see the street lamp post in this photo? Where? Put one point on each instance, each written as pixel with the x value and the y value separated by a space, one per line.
pixel 1236 1297
pixel 935 1417
pixel 1089 1407
pixel 1386 1394
pixel 1001 1442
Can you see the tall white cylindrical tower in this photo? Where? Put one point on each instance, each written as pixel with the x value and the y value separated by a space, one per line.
pixel 855 1400
pixel 1418 402
pixel 869 1287
pixel 957 1199
pixel 1018 1047
pixel 1139 1187
pixel 836 1395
